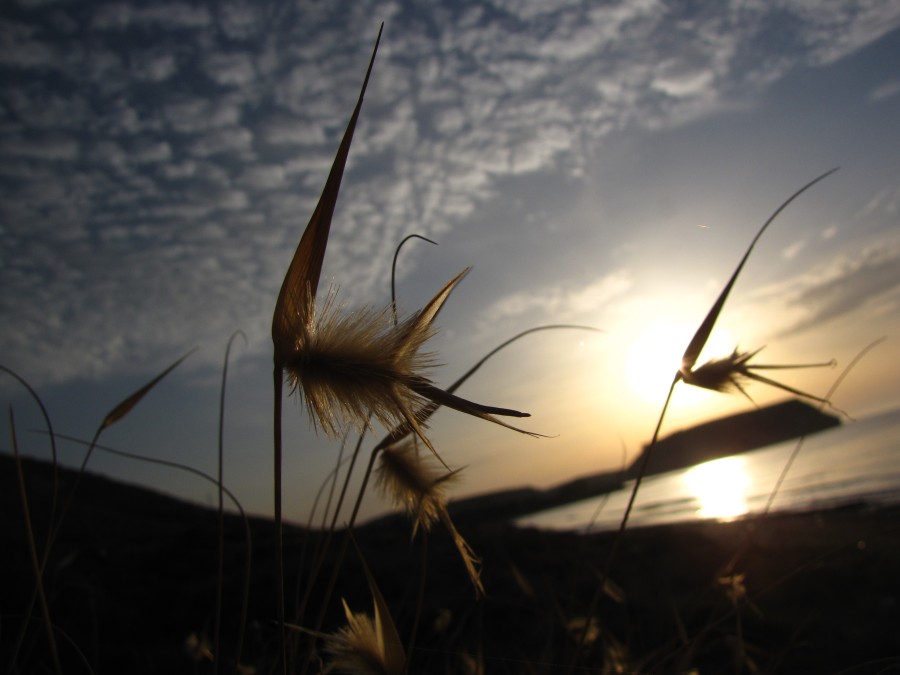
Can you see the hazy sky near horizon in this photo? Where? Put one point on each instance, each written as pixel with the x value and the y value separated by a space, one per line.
pixel 603 164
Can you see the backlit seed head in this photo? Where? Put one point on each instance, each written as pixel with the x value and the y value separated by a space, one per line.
pixel 356 648
pixel 414 482
pixel 731 373
pixel 346 365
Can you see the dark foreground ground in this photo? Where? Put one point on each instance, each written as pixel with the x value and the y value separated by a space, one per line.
pixel 133 577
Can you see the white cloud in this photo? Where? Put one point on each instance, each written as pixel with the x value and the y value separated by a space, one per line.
pixel 281 130
pixel 155 67
pixel 563 302
pixel 50 147
pixel 885 91
pixel 790 252
pixel 147 151
pixel 834 28
pixel 267 177
pixel 194 115
pixel 231 69
pixel 20 48
pixel 119 16
pixel 234 140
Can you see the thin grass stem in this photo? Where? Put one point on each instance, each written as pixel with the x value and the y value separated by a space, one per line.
pixel 279 540
pixel 620 533
pixel 54 498
pixel 32 548
pixel 220 571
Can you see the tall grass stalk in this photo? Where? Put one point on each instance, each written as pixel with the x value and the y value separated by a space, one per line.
pixel 54 460
pixel 32 548
pixel 291 313
pixel 220 571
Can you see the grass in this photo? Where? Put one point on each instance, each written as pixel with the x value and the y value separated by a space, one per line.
pixel 535 602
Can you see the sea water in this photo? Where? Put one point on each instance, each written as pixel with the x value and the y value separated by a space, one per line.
pixel 858 461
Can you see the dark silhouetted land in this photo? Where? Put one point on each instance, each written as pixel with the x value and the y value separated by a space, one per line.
pixel 133 576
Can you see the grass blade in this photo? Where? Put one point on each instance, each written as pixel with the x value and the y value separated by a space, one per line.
pixel 698 342
pixel 126 406
pixel 302 278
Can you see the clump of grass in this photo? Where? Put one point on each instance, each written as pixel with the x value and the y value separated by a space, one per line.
pixel 116 414
pixel 350 366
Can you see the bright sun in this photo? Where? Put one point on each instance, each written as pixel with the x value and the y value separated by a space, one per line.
pixel 656 354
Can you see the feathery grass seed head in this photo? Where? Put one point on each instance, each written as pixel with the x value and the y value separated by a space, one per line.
pixel 722 374
pixel 414 482
pixel 355 648
pixel 346 365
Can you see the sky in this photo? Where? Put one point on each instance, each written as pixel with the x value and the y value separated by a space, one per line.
pixel 596 163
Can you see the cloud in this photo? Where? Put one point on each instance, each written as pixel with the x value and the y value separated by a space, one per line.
pixel 173 15
pixel 864 284
pixel 565 302
pixel 885 91
pixel 48 147
pixel 231 68
pixel 791 251
pixel 158 161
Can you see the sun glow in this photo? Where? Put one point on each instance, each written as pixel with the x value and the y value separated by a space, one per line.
pixel 720 486
pixel 656 354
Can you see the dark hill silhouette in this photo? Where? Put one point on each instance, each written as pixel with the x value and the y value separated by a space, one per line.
pixel 711 440
pixel 733 435
pixel 132 577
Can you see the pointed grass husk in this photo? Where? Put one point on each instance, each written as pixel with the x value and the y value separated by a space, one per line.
pixel 367 646
pixel 698 342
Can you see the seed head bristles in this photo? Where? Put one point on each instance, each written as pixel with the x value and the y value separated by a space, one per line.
pixel 350 363
pixel 469 558
pixel 347 366
pixel 414 483
pixel 367 645
pixel 355 648
pixel 399 433
pixel 726 374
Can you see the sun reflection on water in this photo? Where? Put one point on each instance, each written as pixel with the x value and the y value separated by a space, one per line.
pixel 721 487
